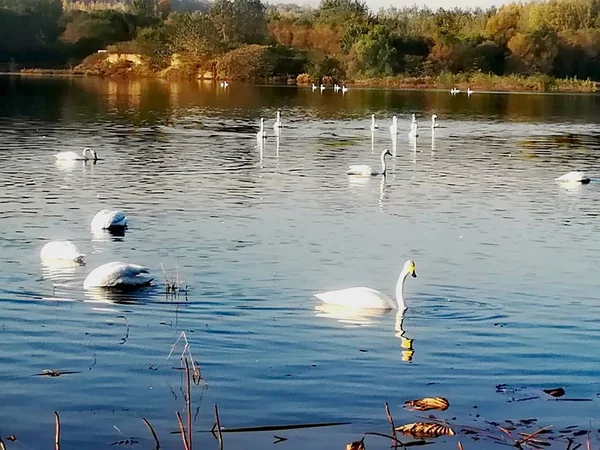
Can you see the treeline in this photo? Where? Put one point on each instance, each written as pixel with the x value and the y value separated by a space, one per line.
pixel 341 39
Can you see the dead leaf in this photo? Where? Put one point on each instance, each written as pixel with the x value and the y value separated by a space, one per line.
pixel 427 403
pixel 423 430
pixel 356 445
pixel 555 392
pixel 12 438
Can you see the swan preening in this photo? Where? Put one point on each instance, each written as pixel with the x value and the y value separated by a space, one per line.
pixel 574 177
pixel 364 297
pixel 61 251
pixel 118 275
pixel 109 220
pixel 366 170
pixel 74 156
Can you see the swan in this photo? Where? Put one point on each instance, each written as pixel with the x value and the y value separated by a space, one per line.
pixel 574 177
pixel 336 87
pixel 434 121
pixel 107 219
pixel 373 124
pixel 73 156
pixel 414 128
pixel 366 170
pixel 261 134
pixel 118 275
pixel 344 89
pixel 61 250
pixel 363 297
pixel 469 91
pixel 322 88
pixel 277 123
pixel 394 126
pixel 313 87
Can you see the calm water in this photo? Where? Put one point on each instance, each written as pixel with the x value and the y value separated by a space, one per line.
pixel 507 260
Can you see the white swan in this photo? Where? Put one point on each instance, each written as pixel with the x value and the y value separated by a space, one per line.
pixel 454 91
pixel 62 251
pixel 394 126
pixel 414 128
pixel 118 275
pixel 277 123
pixel 313 87
pixel 322 88
pixel 107 219
pixel 374 126
pixel 366 170
pixel 73 156
pixel 363 297
pixel 469 91
pixel 344 89
pixel 434 123
pixel 574 177
pixel 261 134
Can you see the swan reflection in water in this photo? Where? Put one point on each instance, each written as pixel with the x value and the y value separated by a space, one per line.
pixel 120 296
pixel 406 344
pixel 113 234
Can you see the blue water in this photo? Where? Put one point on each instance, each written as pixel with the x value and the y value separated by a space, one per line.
pixel 506 259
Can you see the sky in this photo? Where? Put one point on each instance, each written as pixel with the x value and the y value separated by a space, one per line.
pixel 375 5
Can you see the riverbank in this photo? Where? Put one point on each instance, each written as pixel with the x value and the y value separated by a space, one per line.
pixel 476 81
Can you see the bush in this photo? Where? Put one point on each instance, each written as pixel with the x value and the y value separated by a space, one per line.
pixel 247 63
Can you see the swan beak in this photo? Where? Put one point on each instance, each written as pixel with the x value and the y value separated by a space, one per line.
pixel 414 274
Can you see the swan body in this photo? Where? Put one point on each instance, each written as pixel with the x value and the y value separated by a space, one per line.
pixel 277 123
pixel 118 275
pixel 414 128
pixel 336 88
pixel 262 134
pixel 454 91
pixel 469 91
pixel 374 126
pixel 322 88
pixel 574 177
pixel 364 297
pixel 344 89
pixel 61 250
pixel 365 170
pixel 224 84
pixel 107 219
pixel 313 87
pixel 434 121
pixel 394 126
pixel 74 156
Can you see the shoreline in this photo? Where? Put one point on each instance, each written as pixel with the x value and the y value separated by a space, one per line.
pixel 477 82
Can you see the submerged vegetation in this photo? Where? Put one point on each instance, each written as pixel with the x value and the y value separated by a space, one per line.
pixel 540 45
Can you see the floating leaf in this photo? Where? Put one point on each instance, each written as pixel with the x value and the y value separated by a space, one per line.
pixel 356 445
pixel 427 403
pixel 423 429
pixel 12 438
pixel 555 392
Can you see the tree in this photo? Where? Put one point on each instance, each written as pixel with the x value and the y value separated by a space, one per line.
pixel 239 21
pixel 163 8
pixel 375 53
pixel 144 8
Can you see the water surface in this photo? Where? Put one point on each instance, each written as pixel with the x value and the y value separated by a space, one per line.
pixel 507 259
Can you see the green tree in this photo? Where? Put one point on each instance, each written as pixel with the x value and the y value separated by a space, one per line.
pixel 239 22
pixel 375 53
pixel 144 8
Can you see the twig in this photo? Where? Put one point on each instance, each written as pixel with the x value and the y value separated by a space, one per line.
pixel 188 403
pixel 397 443
pixel 182 431
pixel 391 421
pixel 587 442
pixel 56 431
pixel 149 425
pixel 460 447
pixel 2 446
pixel 506 432
pixel 218 424
pixel 528 437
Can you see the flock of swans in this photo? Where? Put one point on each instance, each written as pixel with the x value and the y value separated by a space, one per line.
pixel 125 275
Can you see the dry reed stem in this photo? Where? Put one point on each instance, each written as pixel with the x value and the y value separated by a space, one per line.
pixel 182 431
pixel 56 431
pixel 188 403
pixel 529 437
pixel 149 425
pixel 218 424
pixel 587 442
pixel 391 421
pixel 460 447
pixel 2 446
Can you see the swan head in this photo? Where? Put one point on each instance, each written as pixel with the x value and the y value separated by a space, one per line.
pixel 434 116
pixel 410 268
pixel 386 152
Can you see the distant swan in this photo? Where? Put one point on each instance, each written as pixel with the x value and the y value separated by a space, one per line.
pixel 344 89
pixel 118 275
pixel 262 134
pixel 434 123
pixel 61 250
pixel 364 297
pixel 277 123
pixel 414 128
pixel 322 88
pixel 574 177
pixel 73 156
pixel 394 126
pixel 469 91
pixel 107 219
pixel 366 170
pixel 374 126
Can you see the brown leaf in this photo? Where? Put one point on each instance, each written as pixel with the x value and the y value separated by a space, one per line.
pixel 423 430
pixel 555 392
pixel 356 445
pixel 427 403
pixel 12 438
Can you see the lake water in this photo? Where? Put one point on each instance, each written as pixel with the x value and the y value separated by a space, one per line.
pixel 507 261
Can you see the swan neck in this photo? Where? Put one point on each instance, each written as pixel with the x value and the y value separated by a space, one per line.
pixel 400 290
pixel 383 165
